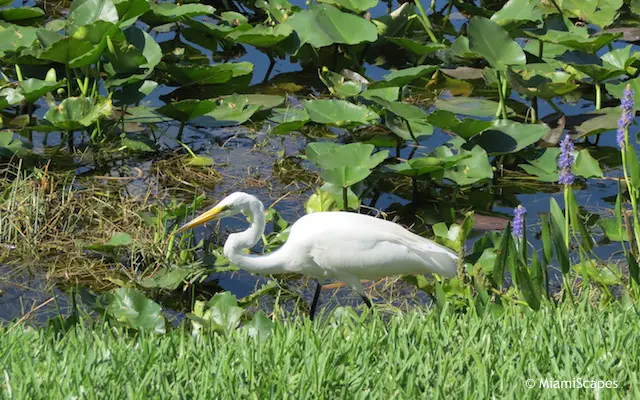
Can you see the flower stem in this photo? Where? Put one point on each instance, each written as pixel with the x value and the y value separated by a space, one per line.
pixel 566 215
pixel 425 22
pixel 598 95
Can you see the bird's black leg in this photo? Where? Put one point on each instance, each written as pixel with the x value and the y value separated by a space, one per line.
pixel 366 300
pixel 314 302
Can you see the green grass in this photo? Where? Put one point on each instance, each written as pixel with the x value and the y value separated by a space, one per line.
pixel 422 354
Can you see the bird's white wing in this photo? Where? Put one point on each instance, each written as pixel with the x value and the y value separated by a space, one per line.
pixel 361 246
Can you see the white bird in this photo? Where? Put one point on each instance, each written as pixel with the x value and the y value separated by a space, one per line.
pixel 343 246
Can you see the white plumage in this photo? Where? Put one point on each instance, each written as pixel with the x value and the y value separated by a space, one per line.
pixel 343 246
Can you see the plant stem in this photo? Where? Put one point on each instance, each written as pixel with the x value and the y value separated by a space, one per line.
pixel 501 106
pixel 566 216
pixel 345 199
pixel 179 136
pixel 67 71
pixel 632 191
pixel 425 22
pixel 598 95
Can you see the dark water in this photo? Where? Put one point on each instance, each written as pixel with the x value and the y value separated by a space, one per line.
pixel 247 157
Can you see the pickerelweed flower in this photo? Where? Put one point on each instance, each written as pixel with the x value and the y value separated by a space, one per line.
pixel 627 114
pixel 565 161
pixel 518 221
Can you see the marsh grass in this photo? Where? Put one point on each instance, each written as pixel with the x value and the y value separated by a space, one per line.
pixel 420 354
pixel 49 220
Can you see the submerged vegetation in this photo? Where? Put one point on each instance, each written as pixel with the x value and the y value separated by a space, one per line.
pixel 121 119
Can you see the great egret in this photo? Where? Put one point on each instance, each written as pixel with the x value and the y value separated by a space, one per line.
pixel 343 246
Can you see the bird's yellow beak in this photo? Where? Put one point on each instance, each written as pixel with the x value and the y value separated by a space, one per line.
pixel 202 218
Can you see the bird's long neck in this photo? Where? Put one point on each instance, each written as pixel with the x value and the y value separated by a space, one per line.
pixel 272 263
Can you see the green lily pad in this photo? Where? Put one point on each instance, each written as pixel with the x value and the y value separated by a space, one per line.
pixel 20 14
pixel 517 12
pixel 324 25
pixel 166 278
pixel 492 42
pixel 426 165
pixel 11 145
pixel 473 168
pixel 357 6
pixel 344 165
pixel 575 40
pixel 288 119
pixel 208 74
pixel 164 13
pixel 86 12
pixel 617 90
pixel 78 112
pixel 476 107
pixel 406 120
pixel 338 112
pixel 586 166
pixel 403 77
pixel 133 310
pixel 260 327
pixel 539 80
pixel 506 137
pixel 223 312
pixel 261 36
pixel 466 128
pixel 339 85
pixel 417 47
pixel 544 167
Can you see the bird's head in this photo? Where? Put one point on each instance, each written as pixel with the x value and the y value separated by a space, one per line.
pixel 235 203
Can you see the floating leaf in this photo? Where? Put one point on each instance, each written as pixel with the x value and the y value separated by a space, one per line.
pixel 403 77
pixel 260 326
pixel 261 36
pixel 474 167
pixel 339 85
pixel 132 309
pixel 517 12
pixel 506 137
pixel 223 312
pixel 344 165
pixel 470 106
pixel 338 112
pixel 492 42
pixel 324 25
pixel 208 74
pixel 288 119
pixel 78 112
pixel 586 166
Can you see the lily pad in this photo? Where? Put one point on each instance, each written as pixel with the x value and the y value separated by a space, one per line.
pixel 506 137
pixel 492 42
pixel 338 112
pixel 133 310
pixel 323 25
pixel 208 74
pixel 476 107
pixel 403 77
pixel 473 166
pixel 339 85
pixel 78 112
pixel 261 36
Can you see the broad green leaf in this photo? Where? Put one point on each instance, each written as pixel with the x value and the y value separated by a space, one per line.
pixel 492 42
pixel 417 47
pixel 86 12
pixel 164 13
pixel 260 327
pixel 425 165
pixel 466 128
pixel 617 90
pixel 385 93
pixel 339 112
pixel 324 25
pixel 133 310
pixel 476 107
pixel 208 74
pixel 585 165
pixel 356 6
pixel 633 166
pixel 544 167
pixel 187 110
pixel 539 80
pixel 344 165
pixel 11 145
pixel 223 312
pixel 575 40
pixel 166 278
pixel 339 85
pixel 507 136
pixel 120 239
pixel 321 201
pixel 288 119
pixel 502 255
pixel 517 12
pixel 261 36
pixel 338 195
pixel 138 142
pixel 474 167
pixel 406 120
pixel 20 14
pixel 78 112
pixel 403 77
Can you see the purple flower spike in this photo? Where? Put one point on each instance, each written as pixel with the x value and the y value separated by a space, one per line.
pixel 518 221
pixel 565 161
pixel 627 114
